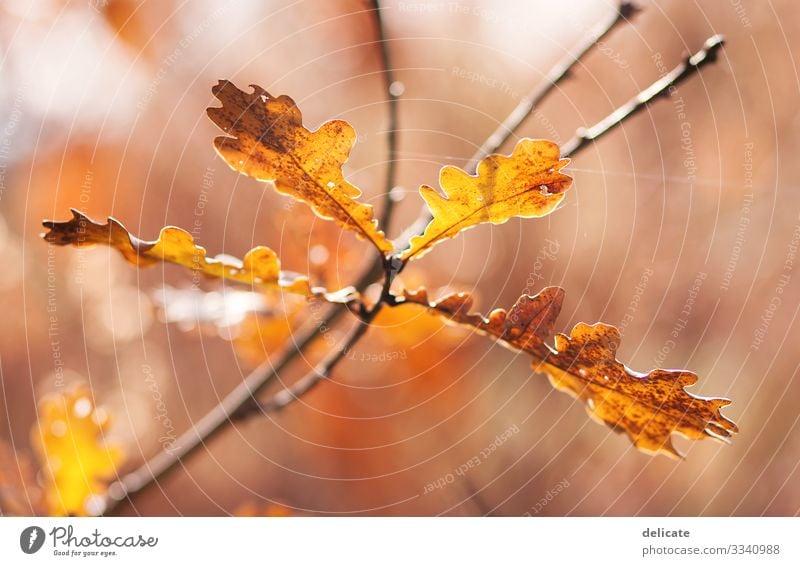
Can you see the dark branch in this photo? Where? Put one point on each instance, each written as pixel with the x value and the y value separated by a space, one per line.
pixel 321 372
pixel 242 400
pixel 215 420
pixel 393 91
pixel 324 369
pixel 662 87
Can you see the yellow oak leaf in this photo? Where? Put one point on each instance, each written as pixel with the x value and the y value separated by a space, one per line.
pixel 528 184
pixel 78 463
pixel 267 141
pixel 260 265
pixel 648 407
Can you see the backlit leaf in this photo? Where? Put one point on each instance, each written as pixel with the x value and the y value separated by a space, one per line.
pixel 528 184
pixel 78 464
pixel 524 327
pixel 260 265
pixel 267 141
pixel 648 407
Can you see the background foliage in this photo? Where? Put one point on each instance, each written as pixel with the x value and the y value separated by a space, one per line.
pixel 678 229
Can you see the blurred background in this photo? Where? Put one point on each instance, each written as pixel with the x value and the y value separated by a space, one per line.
pixel 681 228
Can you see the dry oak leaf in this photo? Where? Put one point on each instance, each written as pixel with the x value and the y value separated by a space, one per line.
pixel 523 327
pixel 267 141
pixel 649 407
pixel 78 463
pixel 260 265
pixel 528 184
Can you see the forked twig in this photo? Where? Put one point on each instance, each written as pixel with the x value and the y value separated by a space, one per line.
pixel 558 73
pixel 662 87
pixel 241 401
pixel 584 136
pixel 512 122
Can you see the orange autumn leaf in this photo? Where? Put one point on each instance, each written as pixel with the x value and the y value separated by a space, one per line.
pixel 524 327
pixel 260 265
pixel 267 141
pixel 251 509
pixel 528 184
pixel 78 464
pixel 408 328
pixel 648 407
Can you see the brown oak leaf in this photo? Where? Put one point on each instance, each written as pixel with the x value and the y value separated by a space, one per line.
pixel 648 407
pixel 267 141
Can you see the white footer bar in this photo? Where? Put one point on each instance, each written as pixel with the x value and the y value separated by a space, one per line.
pixel 387 541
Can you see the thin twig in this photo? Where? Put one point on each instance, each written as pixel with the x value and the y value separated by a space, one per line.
pixel 662 87
pixel 558 73
pixel 512 122
pixel 214 421
pixel 242 399
pixel 393 92
pixel 322 371
pixel 303 385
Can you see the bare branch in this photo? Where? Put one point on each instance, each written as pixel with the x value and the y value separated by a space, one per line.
pixel 662 87
pixel 215 420
pixel 242 400
pixel 393 91
pixel 507 128
pixel 558 73
pixel 323 370
pixel 320 373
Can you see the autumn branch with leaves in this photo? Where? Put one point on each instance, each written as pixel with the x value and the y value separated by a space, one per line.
pixel 264 138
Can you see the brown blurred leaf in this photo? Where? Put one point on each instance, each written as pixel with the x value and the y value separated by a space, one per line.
pixel 78 464
pixel 267 141
pixel 251 509
pixel 260 265
pixel 647 407
pixel 20 495
pixel 528 183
